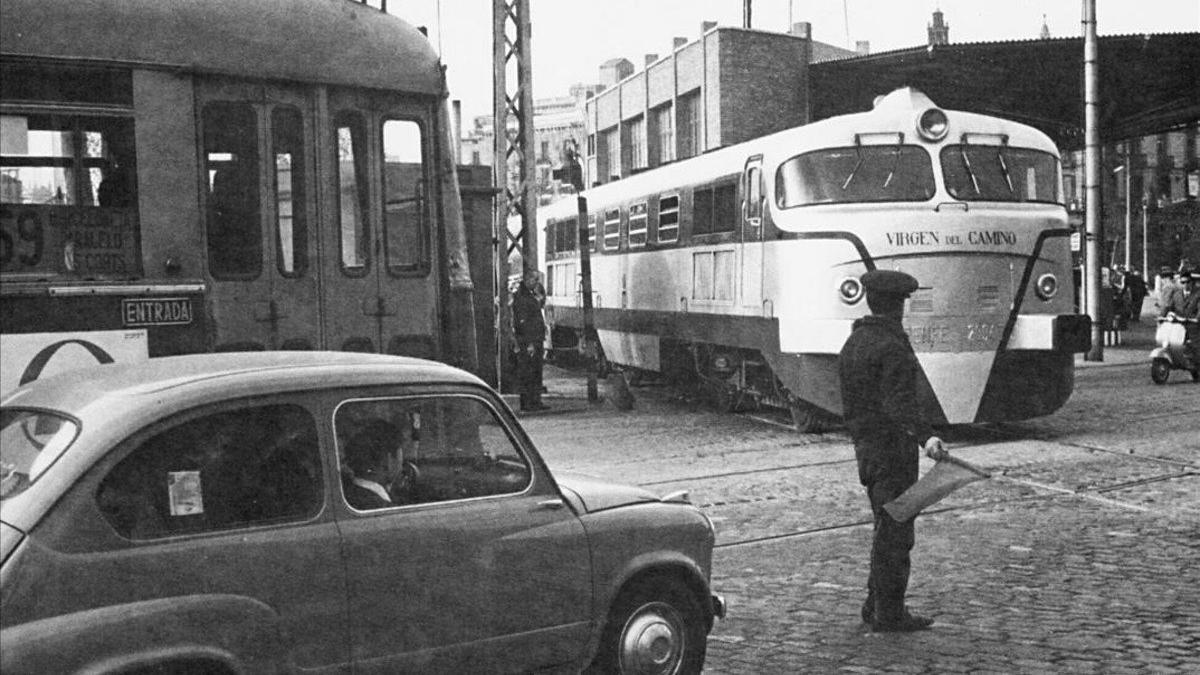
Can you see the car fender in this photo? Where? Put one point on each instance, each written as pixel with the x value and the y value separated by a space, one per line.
pixel 237 633
pixel 671 538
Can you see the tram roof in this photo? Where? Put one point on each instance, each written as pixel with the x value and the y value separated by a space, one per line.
pixel 1147 83
pixel 327 41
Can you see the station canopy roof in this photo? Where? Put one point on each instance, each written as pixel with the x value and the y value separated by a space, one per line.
pixel 1147 83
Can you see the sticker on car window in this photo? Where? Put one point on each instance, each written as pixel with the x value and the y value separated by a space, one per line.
pixel 184 490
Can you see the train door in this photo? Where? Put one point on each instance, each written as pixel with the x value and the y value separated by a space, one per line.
pixel 256 169
pixel 378 283
pixel 751 235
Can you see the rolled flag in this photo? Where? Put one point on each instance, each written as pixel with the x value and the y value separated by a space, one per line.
pixel 946 476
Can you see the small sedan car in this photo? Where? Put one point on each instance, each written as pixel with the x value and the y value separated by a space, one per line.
pixel 332 512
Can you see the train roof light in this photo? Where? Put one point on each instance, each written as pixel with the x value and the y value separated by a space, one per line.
pixel 850 290
pixel 933 125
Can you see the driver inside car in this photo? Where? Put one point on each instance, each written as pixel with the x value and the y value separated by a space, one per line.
pixel 372 466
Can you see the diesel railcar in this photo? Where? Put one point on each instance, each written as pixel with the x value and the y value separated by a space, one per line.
pixel 741 266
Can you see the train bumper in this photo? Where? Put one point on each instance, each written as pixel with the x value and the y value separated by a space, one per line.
pixel 1062 333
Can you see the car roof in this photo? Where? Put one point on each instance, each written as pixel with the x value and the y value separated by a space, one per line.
pixel 224 374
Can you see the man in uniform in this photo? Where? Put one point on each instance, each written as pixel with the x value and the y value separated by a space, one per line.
pixel 879 373
pixel 529 333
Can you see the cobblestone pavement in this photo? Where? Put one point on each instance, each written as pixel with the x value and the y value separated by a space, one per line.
pixel 1082 555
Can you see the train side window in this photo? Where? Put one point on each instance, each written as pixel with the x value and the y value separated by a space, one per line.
pixel 70 195
pixel 351 137
pixel 291 222
pixel 754 193
pixel 231 169
pixel 702 211
pixel 612 229
pixel 591 242
pixel 637 225
pixel 404 208
pixel 668 219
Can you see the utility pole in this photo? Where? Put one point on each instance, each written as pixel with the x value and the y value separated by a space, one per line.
pixel 1091 270
pixel 513 131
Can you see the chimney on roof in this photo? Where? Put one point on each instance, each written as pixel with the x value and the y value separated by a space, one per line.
pixel 862 47
pixel 802 29
pixel 650 58
pixel 678 42
pixel 706 26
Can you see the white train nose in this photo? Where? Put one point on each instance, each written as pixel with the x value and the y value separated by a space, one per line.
pixel 958 380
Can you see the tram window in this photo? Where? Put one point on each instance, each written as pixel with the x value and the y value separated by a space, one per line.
pixel 352 189
pixel 231 166
pixel 668 219
pixel 997 173
pixel 59 169
pixel 754 193
pixel 612 229
pixel 405 193
pixel 637 225
pixel 591 243
pixel 291 223
pixel 869 173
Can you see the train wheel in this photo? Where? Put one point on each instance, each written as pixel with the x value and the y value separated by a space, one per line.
pixel 809 419
pixel 1160 370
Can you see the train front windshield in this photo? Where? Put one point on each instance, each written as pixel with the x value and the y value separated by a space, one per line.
pixel 865 173
pixel 998 173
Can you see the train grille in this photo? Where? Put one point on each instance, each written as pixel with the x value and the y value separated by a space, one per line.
pixel 988 297
pixel 921 302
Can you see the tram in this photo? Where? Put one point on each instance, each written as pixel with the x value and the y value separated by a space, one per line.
pixel 225 175
pixel 741 267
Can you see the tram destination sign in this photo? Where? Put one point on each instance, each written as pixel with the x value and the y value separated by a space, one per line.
pixel 138 312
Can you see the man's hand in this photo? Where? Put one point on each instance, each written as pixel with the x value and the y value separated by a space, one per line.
pixel 935 450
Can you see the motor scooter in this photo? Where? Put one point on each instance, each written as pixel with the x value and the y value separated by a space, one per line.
pixel 1171 354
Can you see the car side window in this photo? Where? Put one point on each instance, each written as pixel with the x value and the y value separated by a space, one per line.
pixel 420 450
pixel 224 470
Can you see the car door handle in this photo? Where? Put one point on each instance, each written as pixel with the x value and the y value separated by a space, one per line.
pixel 550 504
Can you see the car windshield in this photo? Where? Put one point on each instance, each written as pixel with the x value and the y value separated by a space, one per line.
pixel 30 441
pixel 998 173
pixel 861 173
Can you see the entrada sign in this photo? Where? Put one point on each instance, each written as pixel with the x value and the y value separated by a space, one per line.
pixel 156 312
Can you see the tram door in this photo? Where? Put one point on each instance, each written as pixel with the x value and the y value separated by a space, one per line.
pixel 378 285
pixel 257 169
pixel 752 236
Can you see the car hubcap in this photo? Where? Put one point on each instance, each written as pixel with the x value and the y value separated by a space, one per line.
pixel 652 641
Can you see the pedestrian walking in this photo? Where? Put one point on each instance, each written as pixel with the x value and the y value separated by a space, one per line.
pixel 1137 294
pixel 879 371
pixel 529 334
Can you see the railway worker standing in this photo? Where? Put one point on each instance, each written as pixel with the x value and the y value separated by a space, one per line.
pixel 529 332
pixel 879 370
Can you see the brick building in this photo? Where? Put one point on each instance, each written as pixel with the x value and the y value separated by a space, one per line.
pixel 729 86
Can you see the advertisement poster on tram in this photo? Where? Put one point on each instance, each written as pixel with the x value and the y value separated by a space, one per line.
pixel 30 356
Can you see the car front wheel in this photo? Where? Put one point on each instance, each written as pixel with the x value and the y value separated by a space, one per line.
pixel 655 627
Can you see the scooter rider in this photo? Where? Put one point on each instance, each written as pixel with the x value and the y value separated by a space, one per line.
pixel 1189 310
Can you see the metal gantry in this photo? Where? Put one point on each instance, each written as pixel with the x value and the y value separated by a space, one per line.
pixel 514 146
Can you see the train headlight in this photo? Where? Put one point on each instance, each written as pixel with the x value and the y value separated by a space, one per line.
pixel 933 125
pixel 850 290
pixel 1047 286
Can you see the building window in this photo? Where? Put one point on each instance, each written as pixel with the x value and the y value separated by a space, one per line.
pixel 612 230
pixel 689 124
pixel 664 118
pixel 637 144
pixel 612 160
pixel 637 225
pixel 668 219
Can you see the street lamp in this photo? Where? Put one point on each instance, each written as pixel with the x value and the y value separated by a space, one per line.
pixel 1129 211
